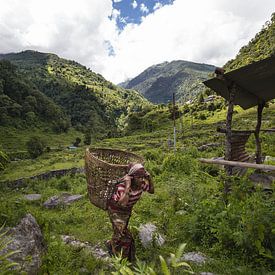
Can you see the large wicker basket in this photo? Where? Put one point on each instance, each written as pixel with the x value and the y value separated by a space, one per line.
pixel 103 167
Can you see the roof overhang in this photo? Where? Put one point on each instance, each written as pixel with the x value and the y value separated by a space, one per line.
pixel 255 83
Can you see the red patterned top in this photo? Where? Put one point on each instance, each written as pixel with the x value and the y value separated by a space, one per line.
pixel 134 195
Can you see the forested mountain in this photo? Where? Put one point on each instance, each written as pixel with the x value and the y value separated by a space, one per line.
pixel 22 104
pixel 159 82
pixel 260 47
pixel 88 100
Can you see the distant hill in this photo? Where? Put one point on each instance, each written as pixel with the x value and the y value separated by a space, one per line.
pixel 159 82
pixel 87 99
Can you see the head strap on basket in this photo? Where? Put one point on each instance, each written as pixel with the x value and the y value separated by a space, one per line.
pixel 135 168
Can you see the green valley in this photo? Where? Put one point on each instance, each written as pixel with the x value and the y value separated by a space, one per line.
pixel 68 108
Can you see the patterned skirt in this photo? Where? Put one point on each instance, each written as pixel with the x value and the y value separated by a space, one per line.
pixel 122 240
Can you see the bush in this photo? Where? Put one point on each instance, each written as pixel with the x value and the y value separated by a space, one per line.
pixel 77 142
pixel 35 146
pixel 3 160
pixel 87 138
pixel 179 163
pixel 243 227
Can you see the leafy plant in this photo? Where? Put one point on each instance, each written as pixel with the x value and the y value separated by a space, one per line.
pixel 5 264
pixel 171 266
pixel 35 146
pixel 3 160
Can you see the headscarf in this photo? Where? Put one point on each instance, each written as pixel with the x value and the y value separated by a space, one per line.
pixel 135 168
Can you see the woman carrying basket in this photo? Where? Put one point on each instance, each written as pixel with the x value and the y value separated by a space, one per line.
pixel 128 191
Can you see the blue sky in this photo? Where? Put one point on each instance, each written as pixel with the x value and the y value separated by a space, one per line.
pixel 132 11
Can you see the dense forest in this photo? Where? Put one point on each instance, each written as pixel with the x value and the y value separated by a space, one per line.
pixel 90 102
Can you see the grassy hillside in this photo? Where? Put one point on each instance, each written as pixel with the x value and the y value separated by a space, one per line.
pixel 91 102
pixel 159 82
pixel 187 207
pixel 236 232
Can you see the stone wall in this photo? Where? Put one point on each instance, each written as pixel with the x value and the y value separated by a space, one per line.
pixel 44 176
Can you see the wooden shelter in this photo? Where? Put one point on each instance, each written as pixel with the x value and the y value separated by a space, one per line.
pixel 248 86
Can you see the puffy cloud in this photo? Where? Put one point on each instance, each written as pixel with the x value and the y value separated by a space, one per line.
pixel 115 14
pixel 134 4
pixel 72 29
pixel 210 32
pixel 158 5
pixel 85 30
pixel 143 8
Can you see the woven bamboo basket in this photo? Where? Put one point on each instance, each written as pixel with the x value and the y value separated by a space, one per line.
pixel 103 167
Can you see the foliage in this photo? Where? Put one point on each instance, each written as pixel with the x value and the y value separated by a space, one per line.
pixel 5 264
pixel 3 160
pixel 187 206
pixel 74 94
pixel 87 138
pixel 35 146
pixel 21 101
pixel 171 266
pixel 77 142
pixel 260 47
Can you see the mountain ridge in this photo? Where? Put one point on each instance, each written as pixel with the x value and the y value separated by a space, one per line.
pixel 178 76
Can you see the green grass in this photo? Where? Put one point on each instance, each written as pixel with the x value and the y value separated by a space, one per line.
pixel 12 139
pixel 185 192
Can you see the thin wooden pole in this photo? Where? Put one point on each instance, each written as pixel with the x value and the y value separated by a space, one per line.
pixel 228 137
pixel 239 164
pixel 228 142
pixel 257 133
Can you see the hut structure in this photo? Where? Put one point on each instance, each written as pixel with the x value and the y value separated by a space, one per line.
pixel 248 86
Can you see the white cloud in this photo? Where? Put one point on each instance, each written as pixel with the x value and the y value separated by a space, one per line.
pixel 143 8
pixel 157 6
pixel 72 29
pixel 117 1
pixel 115 14
pixel 134 4
pixel 210 32
pixel 202 31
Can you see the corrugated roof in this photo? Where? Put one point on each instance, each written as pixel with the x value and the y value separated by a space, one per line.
pixel 255 83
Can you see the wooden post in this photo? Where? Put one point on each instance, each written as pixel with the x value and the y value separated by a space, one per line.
pixel 230 110
pixel 228 140
pixel 257 133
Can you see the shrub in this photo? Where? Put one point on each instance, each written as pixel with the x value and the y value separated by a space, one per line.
pixel 179 163
pixel 87 138
pixel 77 142
pixel 3 160
pixel 35 146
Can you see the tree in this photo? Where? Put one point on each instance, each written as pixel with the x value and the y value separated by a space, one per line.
pixel 77 142
pixel 35 146
pixel 87 138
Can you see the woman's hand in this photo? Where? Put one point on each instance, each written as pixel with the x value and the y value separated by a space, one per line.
pixel 149 181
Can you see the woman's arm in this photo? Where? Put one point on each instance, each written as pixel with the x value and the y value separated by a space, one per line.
pixel 150 182
pixel 151 187
pixel 124 199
